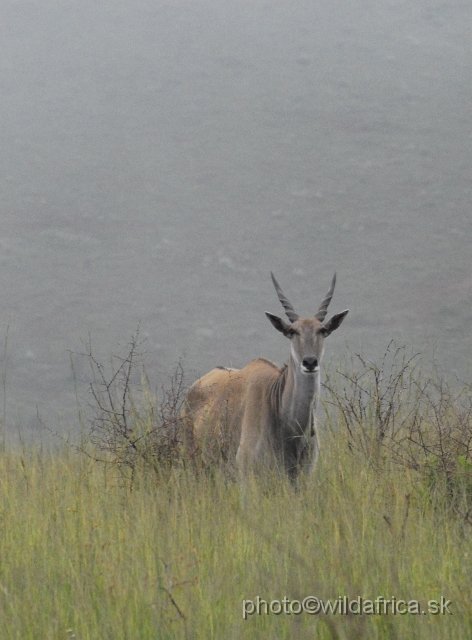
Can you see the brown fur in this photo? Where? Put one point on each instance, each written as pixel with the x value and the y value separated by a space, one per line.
pixel 220 402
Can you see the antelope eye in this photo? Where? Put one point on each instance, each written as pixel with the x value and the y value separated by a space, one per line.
pixel 292 332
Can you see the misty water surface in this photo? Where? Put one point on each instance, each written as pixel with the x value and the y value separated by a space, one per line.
pixel 158 159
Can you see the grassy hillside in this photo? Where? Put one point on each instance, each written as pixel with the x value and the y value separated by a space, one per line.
pixel 148 546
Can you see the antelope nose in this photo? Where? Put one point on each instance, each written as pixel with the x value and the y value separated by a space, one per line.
pixel 310 363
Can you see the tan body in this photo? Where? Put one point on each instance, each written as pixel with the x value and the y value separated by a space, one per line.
pixel 264 415
pixel 231 405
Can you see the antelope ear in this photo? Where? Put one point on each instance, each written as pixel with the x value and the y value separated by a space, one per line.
pixel 334 322
pixel 279 324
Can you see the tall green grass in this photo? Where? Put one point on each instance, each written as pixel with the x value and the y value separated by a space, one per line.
pixel 85 555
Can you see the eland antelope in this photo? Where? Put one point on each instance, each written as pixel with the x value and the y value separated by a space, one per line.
pixel 267 413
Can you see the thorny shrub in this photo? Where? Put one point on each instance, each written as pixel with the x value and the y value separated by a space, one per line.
pixel 127 425
pixel 394 411
pixel 131 428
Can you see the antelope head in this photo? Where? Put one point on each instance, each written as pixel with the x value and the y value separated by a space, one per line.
pixel 306 335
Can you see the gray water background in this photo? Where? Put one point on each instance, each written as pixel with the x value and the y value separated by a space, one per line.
pixel 158 159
